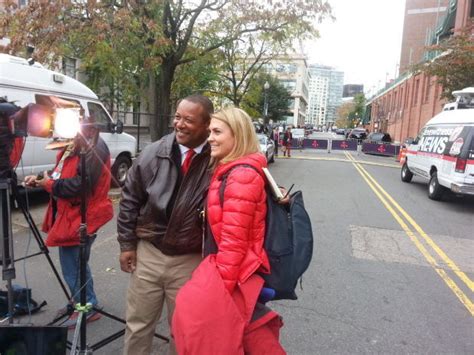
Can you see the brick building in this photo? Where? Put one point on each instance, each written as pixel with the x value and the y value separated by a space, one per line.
pixel 421 19
pixel 404 106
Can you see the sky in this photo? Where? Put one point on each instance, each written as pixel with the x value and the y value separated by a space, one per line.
pixel 364 41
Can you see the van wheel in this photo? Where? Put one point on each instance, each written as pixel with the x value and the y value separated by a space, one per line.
pixel 120 170
pixel 435 190
pixel 406 174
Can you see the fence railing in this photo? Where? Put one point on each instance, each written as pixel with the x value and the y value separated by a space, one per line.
pixel 387 149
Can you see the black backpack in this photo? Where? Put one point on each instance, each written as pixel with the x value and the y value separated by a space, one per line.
pixel 22 302
pixel 288 241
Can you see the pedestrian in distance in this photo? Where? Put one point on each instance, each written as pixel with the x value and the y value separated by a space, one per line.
pixel 276 138
pixel 287 140
pixel 159 223
pixel 217 310
pixel 63 215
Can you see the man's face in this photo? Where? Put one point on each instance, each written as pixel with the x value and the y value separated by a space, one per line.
pixel 89 132
pixel 190 125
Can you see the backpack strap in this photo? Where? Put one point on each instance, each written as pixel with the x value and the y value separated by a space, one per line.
pixel 223 180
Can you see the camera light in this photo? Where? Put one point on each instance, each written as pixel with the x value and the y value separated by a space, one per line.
pixel 66 123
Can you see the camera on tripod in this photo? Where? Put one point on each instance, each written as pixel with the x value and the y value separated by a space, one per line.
pixel 52 118
pixel 56 118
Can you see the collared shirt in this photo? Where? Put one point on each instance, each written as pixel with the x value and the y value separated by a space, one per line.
pixel 183 150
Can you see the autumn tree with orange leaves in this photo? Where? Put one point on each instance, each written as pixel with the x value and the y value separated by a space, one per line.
pixel 129 47
pixel 454 64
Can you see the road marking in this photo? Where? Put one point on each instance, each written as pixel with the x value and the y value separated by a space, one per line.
pixel 451 264
pixel 444 276
pixel 342 160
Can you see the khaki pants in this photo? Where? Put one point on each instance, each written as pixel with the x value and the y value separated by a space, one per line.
pixel 157 279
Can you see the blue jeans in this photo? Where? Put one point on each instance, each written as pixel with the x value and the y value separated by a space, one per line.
pixel 70 266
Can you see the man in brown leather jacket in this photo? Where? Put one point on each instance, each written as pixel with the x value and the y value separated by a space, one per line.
pixel 159 227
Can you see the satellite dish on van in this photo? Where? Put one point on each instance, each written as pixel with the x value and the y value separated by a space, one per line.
pixel 464 100
pixel 466 92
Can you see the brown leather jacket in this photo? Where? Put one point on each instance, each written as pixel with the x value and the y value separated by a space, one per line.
pixel 151 184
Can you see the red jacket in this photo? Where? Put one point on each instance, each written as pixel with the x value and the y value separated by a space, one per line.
pixel 209 320
pixel 63 228
pixel 239 226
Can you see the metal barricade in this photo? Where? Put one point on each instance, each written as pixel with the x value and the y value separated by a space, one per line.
pixel 315 144
pixel 350 145
pixel 385 149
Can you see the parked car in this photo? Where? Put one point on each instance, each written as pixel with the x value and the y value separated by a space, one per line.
pixel 267 147
pixel 358 133
pixel 378 137
pixel 341 131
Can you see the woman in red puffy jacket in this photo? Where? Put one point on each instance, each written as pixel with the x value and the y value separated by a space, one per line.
pixel 217 311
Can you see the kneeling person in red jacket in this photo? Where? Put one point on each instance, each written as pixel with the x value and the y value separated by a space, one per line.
pixel 63 216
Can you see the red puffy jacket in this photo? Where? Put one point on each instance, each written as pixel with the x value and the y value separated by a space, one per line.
pixel 210 320
pixel 63 228
pixel 239 226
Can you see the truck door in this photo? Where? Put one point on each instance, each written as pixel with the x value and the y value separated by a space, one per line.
pixel 412 153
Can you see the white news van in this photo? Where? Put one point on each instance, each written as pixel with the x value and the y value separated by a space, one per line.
pixel 443 153
pixel 22 83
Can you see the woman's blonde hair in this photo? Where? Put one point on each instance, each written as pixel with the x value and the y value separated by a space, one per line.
pixel 240 123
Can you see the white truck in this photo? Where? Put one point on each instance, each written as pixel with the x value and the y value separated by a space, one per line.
pixel 443 151
pixel 22 84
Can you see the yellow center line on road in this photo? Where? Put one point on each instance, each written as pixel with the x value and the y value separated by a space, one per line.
pixel 342 160
pixel 451 264
pixel 441 272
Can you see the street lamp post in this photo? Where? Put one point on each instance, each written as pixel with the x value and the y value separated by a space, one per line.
pixel 266 86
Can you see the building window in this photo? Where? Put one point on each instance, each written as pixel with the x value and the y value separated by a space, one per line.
pixel 69 67
pixel 136 112
pixel 427 89
pixel 415 92
pixel 407 91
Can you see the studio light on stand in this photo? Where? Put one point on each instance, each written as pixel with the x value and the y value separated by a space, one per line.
pixel 67 123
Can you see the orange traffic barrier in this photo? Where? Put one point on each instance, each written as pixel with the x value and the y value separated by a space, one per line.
pixel 402 155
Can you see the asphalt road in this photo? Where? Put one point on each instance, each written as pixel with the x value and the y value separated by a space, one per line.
pixel 391 270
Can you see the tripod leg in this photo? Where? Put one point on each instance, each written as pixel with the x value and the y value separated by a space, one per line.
pixel 39 239
pixel 6 251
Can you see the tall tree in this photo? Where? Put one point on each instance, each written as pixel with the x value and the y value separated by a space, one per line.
pixel 454 65
pixel 357 115
pixel 114 41
pixel 158 36
pixel 350 114
pixel 343 113
pixel 199 76
pixel 277 96
pixel 240 61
